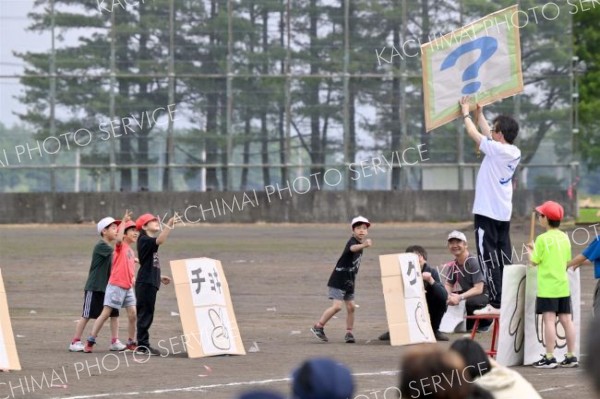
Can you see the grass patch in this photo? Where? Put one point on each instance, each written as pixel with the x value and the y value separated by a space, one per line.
pixel 588 216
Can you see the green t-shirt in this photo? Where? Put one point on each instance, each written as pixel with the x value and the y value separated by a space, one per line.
pixel 551 253
pixel 100 267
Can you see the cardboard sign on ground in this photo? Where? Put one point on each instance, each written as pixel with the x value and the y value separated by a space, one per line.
pixel 511 339
pixel 205 308
pixel 534 330
pixel 405 304
pixel 9 359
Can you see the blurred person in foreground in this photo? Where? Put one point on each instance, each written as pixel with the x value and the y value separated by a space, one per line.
pixel 430 372
pixel 500 381
pixel 591 362
pixel 322 378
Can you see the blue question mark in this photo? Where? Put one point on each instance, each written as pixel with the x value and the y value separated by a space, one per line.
pixel 488 46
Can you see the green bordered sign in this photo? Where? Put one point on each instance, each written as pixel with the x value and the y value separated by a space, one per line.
pixel 482 59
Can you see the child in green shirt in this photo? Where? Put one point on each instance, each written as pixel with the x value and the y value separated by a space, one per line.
pixel 550 254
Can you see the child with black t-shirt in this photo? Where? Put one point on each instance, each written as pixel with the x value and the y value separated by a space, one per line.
pixel 341 282
pixel 149 278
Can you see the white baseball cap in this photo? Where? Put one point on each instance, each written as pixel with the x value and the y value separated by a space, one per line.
pixel 457 235
pixel 360 219
pixel 104 223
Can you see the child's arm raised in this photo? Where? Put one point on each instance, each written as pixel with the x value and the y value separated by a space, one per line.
pixel 121 231
pixel 162 237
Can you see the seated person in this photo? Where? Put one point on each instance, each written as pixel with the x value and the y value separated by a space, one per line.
pixel 435 294
pixel 465 280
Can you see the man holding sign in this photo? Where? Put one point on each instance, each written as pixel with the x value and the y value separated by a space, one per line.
pixel 493 195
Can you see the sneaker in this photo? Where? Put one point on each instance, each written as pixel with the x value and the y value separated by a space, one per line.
pixel 488 309
pixel 569 362
pixel 484 329
pixel 131 347
pixel 76 346
pixel 385 336
pixel 117 346
pixel 440 336
pixel 89 345
pixel 545 363
pixel 147 350
pixel 349 338
pixel 319 333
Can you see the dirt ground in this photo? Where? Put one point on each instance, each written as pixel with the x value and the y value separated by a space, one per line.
pixel 277 276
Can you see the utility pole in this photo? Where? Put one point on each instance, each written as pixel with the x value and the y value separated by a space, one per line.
pixel 52 93
pixel 170 150
pixel 111 101
pixel 349 182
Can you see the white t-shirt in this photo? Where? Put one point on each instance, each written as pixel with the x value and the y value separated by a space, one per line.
pixel 493 190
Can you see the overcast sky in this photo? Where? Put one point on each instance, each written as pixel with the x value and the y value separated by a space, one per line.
pixel 14 37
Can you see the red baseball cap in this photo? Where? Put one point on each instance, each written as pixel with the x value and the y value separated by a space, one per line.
pixel 142 220
pixel 552 210
pixel 129 224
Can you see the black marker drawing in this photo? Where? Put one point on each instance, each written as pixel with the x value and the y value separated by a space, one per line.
pixel 422 319
pixel 517 325
pixel 409 272
pixel 219 335
pixel 196 279
pixel 561 336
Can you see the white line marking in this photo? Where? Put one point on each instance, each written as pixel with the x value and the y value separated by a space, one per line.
pixel 202 388
pixel 556 388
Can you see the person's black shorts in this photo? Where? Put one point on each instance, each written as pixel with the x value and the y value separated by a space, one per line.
pixel 556 305
pixel 93 303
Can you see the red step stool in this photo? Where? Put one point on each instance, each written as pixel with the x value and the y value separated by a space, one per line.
pixel 496 320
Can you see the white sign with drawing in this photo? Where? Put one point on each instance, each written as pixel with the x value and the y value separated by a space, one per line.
pixel 215 330
pixel 205 308
pixel 404 295
pixel 511 337
pixel 205 282
pixel 481 59
pixel 411 275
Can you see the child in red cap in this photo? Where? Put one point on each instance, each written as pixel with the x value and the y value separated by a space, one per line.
pixel 551 253
pixel 149 278
pixel 119 291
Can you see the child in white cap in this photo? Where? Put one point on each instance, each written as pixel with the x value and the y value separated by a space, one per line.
pixel 95 286
pixel 341 282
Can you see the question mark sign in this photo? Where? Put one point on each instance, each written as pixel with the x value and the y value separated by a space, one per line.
pixel 488 46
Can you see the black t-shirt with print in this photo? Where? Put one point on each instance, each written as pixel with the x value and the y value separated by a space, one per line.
pixel 149 272
pixel 345 270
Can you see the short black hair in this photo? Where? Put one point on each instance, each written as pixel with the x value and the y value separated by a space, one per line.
pixel 508 126
pixel 476 360
pixel 129 228
pixel 553 223
pixel 417 249
pixel 355 225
